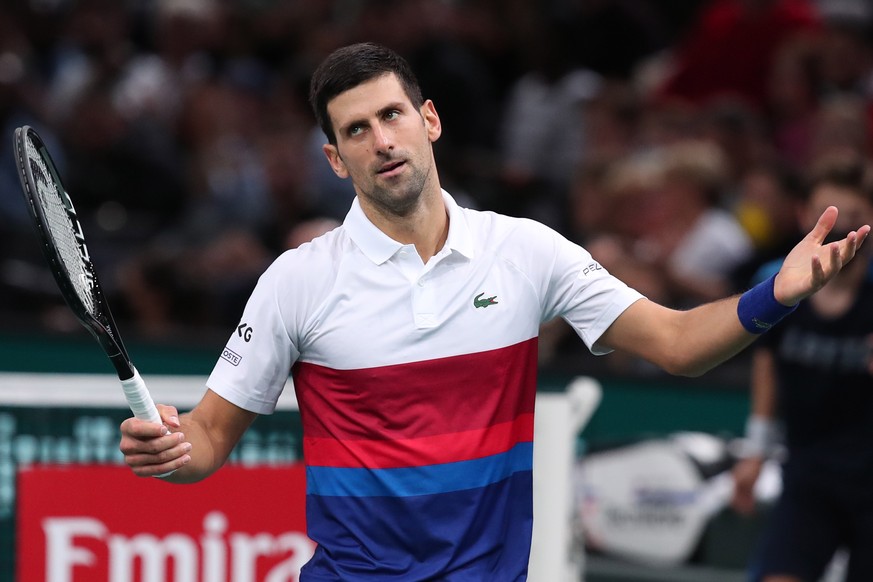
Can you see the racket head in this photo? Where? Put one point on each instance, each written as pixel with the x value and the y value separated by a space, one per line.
pixel 63 242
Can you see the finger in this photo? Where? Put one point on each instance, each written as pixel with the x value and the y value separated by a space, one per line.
pixel 824 225
pixel 857 238
pixel 169 414
pixel 836 258
pixel 156 458
pixel 156 469
pixel 130 446
pixel 143 429
pixel 177 451
pixel 850 245
pixel 817 272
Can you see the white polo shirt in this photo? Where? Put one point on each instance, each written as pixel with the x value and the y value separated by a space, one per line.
pixel 355 298
pixel 416 385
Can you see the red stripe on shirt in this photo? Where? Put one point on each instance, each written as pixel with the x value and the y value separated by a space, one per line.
pixel 418 399
pixel 431 450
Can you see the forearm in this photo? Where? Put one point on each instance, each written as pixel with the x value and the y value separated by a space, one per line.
pixel 689 343
pixel 213 429
pixel 205 454
pixel 684 343
pixel 763 383
pixel 763 431
pixel 704 337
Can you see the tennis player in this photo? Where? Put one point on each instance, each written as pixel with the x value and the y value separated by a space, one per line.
pixel 410 332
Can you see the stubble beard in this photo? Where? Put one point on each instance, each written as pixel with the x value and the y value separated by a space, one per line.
pixel 404 199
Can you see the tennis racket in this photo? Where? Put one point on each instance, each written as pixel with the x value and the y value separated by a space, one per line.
pixel 63 244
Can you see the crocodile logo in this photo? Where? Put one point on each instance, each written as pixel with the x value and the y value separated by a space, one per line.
pixel 477 302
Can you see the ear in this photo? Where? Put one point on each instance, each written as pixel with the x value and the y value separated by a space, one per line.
pixel 431 121
pixel 336 162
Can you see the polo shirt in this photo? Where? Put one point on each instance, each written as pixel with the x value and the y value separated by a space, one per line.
pixel 416 386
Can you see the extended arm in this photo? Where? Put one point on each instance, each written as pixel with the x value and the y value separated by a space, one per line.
pixel 692 342
pixel 198 445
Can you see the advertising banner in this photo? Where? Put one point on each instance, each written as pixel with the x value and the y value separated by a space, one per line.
pixel 81 523
pixel 72 420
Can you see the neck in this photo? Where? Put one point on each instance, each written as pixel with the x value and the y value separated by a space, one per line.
pixel 426 226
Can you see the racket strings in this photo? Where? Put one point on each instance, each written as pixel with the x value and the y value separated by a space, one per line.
pixel 62 228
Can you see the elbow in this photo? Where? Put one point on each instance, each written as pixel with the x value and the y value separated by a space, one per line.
pixel 692 371
pixel 684 366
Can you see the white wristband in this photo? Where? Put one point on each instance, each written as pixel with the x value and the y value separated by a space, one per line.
pixel 763 436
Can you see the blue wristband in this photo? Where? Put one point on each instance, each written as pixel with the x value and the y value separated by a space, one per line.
pixel 758 309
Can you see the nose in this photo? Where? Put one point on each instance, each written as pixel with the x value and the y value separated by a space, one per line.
pixel 382 139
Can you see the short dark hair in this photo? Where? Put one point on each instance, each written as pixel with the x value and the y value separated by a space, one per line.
pixel 851 171
pixel 350 66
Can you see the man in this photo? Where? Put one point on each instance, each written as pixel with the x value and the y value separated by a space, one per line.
pixel 814 374
pixel 411 336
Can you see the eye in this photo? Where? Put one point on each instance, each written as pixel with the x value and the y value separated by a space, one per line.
pixel 392 115
pixel 355 130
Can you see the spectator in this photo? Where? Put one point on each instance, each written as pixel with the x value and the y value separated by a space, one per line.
pixel 729 50
pixel 542 133
pixel 793 100
pixel 840 127
pixel 671 228
pixel 768 200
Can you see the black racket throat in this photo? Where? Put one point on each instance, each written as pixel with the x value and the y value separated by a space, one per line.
pixel 115 351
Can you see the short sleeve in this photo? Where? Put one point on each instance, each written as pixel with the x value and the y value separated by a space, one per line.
pixel 256 361
pixel 573 285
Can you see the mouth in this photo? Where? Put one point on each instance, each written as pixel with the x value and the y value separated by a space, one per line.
pixel 391 168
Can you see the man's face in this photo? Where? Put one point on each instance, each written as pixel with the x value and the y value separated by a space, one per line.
pixel 383 144
pixel 855 210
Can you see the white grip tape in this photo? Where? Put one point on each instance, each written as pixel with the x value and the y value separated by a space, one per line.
pixel 139 399
pixel 141 403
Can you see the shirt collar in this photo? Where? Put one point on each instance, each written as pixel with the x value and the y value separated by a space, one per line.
pixel 379 247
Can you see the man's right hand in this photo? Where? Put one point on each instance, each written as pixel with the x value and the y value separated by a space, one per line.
pixel 152 449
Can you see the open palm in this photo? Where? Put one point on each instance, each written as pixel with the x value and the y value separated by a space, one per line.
pixel 810 264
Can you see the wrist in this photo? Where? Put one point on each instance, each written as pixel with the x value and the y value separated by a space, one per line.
pixel 758 309
pixel 781 300
pixel 763 437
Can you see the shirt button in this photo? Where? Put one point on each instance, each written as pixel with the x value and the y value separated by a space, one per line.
pixel 421 283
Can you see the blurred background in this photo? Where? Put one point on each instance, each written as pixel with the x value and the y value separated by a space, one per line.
pixel 631 126
pixel 668 137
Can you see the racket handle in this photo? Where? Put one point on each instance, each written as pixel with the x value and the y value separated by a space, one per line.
pixel 141 403
pixel 139 399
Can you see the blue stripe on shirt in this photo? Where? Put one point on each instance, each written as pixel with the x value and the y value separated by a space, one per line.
pixel 425 480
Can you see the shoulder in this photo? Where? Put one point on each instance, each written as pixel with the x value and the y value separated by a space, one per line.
pixel 491 227
pixel 528 246
pixel 309 263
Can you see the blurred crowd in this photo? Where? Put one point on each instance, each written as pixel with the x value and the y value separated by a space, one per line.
pixel 669 137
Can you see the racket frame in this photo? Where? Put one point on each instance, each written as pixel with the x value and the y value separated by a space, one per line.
pixel 101 325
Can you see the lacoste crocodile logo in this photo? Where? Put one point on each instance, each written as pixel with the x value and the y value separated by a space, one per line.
pixel 477 302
